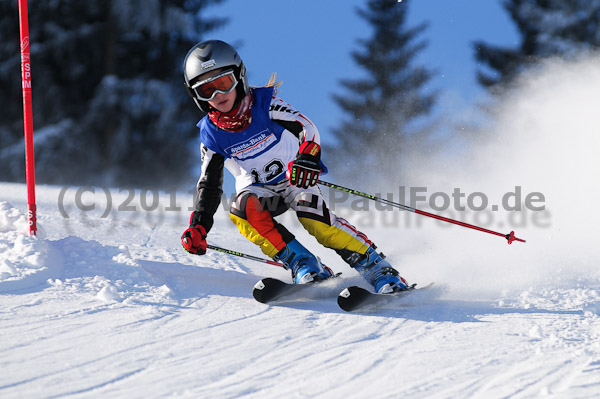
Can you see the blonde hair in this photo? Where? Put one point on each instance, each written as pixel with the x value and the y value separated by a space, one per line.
pixel 273 82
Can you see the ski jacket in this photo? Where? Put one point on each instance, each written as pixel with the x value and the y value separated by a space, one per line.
pixel 257 155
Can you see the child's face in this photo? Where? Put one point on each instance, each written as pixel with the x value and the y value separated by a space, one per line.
pixel 223 102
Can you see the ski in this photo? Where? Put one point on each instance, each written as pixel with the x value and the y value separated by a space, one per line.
pixel 272 289
pixel 356 298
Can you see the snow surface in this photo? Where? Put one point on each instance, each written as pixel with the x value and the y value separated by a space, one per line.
pixel 107 304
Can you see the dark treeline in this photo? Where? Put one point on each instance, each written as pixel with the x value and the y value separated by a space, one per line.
pixel 108 98
pixel 110 107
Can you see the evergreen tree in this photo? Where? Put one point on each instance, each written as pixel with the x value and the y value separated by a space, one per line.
pixel 547 28
pixel 108 97
pixel 381 107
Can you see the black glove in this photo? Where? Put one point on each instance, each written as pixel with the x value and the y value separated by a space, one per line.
pixel 304 171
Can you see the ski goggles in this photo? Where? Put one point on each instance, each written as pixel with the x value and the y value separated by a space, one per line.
pixel 207 89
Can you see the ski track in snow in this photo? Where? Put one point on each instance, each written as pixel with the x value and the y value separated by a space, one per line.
pixel 121 319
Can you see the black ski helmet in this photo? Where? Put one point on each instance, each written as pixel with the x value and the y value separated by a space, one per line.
pixel 207 56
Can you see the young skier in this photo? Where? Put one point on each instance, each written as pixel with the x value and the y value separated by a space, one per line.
pixel 273 152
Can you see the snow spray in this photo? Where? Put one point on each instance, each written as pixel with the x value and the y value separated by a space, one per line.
pixel 543 136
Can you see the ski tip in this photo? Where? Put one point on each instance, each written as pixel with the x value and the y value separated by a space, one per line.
pixel 352 297
pixel 258 294
pixel 357 298
pixel 260 291
pixel 269 289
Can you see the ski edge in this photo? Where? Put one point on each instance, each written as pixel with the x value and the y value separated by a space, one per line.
pixel 280 289
pixel 367 298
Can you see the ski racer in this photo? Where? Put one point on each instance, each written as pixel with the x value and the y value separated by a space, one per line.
pixel 274 152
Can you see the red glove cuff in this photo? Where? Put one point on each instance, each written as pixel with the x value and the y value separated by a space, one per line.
pixel 310 148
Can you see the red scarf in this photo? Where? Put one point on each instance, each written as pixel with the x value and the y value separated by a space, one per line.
pixel 237 119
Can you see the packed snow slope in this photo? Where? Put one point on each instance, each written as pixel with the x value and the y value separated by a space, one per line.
pixel 105 303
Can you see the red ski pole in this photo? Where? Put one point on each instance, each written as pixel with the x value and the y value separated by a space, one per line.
pixel 510 237
pixel 27 116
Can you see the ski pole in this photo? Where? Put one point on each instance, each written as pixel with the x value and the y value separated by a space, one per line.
pixel 242 255
pixel 510 237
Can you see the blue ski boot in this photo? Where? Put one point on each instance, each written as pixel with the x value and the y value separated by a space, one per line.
pixel 305 267
pixel 378 271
